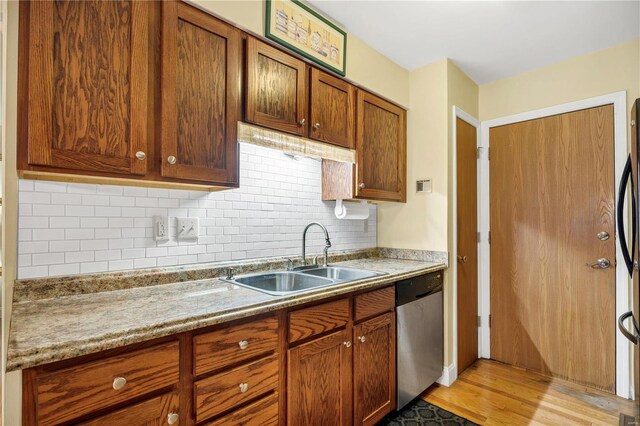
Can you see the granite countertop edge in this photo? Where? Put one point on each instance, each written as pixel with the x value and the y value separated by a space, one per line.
pixel 33 357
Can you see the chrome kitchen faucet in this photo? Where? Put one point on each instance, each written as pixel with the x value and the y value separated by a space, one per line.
pixel 325 256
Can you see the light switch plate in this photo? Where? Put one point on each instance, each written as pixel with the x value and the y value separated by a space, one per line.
pixel 187 228
pixel 161 228
pixel 424 185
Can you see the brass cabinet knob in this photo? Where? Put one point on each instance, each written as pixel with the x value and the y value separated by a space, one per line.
pixel 362 185
pixel 244 387
pixel 316 126
pixel 347 344
pixel 362 339
pixel 172 418
pixel 119 382
pixel 301 122
pixel 171 159
pixel 141 155
pixel 462 259
pixel 243 344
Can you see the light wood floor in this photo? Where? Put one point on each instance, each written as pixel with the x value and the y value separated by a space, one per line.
pixel 492 393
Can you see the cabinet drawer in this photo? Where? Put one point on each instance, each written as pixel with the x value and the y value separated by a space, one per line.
pixel 263 412
pixel 234 344
pixel 72 392
pixel 308 322
pixel 156 411
pixel 375 302
pixel 227 390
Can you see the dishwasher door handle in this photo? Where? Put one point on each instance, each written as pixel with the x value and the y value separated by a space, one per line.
pixel 421 295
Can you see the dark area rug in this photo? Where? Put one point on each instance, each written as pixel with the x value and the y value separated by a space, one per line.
pixel 422 413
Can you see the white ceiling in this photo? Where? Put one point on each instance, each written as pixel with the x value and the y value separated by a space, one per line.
pixel 488 40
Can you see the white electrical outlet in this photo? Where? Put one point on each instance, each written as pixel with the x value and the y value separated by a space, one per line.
pixel 187 228
pixel 161 228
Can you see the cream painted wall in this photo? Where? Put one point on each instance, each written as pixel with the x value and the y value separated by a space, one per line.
pixel 365 66
pixel 598 73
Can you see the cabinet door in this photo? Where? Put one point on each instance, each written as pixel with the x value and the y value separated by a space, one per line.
pixel 332 110
pixel 200 96
pixel 380 149
pixel 276 89
pixel 374 369
pixel 162 410
pixel 319 381
pixel 87 85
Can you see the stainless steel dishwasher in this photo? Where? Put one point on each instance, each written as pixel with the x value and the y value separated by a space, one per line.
pixel 420 335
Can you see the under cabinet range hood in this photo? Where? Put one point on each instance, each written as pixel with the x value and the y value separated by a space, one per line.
pixel 290 144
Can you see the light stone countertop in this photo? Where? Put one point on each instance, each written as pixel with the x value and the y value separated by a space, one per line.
pixel 54 329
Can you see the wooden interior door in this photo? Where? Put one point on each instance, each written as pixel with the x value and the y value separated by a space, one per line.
pixel 551 193
pixel 380 149
pixel 333 103
pixel 152 412
pixel 374 369
pixel 87 86
pixel 467 243
pixel 200 96
pixel 320 373
pixel 276 89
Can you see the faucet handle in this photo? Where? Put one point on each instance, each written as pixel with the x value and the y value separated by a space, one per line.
pixel 315 259
pixel 230 273
pixel 289 264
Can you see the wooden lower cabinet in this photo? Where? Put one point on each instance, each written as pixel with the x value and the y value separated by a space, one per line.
pixel 162 410
pixel 331 363
pixel 374 371
pixel 319 381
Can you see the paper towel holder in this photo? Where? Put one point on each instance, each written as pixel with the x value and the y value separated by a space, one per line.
pixel 340 209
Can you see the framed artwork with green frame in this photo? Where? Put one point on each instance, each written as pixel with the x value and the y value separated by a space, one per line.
pixel 303 30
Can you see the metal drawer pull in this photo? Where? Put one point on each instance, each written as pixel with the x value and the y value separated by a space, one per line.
pixel 302 122
pixel 141 155
pixel 362 185
pixel 172 159
pixel 243 344
pixel 119 382
pixel 316 126
pixel 362 339
pixel 347 344
pixel 244 387
pixel 172 418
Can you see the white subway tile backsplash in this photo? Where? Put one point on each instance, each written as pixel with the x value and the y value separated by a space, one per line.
pixel 67 228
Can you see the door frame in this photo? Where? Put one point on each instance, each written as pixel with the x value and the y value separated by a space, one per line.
pixel 464 116
pixel 619 100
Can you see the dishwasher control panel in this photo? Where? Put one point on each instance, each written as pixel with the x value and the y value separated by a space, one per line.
pixel 417 287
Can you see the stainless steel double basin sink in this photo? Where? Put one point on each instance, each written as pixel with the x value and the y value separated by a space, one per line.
pixel 301 279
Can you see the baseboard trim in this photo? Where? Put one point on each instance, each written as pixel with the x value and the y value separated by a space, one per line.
pixel 449 375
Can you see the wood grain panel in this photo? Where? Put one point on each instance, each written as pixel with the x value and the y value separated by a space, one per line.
pixel 492 393
pixel 87 93
pixel 332 109
pixel 337 180
pixel 263 412
pixel 69 393
pixel 314 320
pixel 467 243
pixel 380 149
pixel 217 394
pixel 200 95
pixel 153 412
pixel 374 369
pixel 319 377
pixel 374 302
pixel 552 191
pixel 276 92
pixel 222 348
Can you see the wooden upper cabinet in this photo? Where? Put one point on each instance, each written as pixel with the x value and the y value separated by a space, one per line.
pixel 374 369
pixel 200 96
pixel 87 85
pixel 381 139
pixel 276 92
pixel 319 381
pixel 332 112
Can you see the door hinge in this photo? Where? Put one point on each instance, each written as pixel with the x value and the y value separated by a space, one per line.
pixel 489 237
pixel 489 320
pixel 488 153
pixel 479 321
pixel 478 236
pixel 478 153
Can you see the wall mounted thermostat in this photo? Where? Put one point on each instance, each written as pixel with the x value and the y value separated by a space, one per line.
pixel 187 228
pixel 423 185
